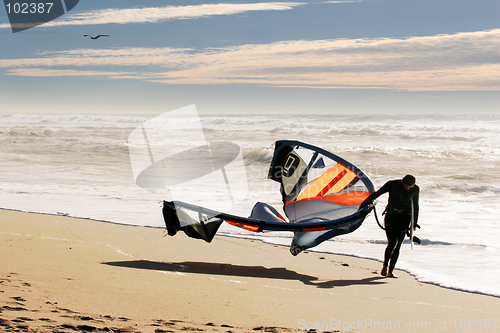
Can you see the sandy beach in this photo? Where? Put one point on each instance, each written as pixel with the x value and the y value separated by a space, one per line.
pixel 62 274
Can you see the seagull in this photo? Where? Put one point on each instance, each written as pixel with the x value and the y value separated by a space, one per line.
pixel 95 37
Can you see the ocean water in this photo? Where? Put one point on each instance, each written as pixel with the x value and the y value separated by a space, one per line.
pixel 79 165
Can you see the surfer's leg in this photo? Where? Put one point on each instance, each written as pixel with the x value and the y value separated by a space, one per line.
pixel 395 253
pixel 392 242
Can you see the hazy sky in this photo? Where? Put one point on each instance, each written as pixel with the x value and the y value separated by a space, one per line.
pixel 240 57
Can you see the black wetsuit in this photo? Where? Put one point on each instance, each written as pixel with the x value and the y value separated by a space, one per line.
pixel 397 216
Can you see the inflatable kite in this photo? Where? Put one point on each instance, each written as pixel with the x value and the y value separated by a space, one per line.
pixel 321 195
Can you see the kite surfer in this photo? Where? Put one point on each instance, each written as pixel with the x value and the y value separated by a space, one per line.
pixel 403 201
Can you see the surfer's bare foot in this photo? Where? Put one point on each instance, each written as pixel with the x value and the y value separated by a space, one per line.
pixel 392 275
pixel 384 271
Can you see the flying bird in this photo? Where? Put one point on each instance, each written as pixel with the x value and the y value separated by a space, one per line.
pixel 95 37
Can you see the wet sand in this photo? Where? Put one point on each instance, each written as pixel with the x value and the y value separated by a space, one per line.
pixel 62 274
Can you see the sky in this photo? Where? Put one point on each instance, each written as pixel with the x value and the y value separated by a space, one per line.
pixel 257 57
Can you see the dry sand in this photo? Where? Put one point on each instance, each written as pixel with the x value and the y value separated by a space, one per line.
pixel 61 274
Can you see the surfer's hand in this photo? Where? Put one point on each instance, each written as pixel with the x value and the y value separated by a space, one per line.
pixel 416 226
pixel 365 203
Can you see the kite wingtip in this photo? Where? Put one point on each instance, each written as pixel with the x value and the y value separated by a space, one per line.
pixel 295 250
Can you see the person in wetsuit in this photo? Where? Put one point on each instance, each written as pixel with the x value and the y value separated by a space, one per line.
pixel 403 193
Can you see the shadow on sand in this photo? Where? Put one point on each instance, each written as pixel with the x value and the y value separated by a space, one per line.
pixel 280 273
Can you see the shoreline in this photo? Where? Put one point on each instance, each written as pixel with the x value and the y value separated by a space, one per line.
pixel 68 274
pixel 378 261
pixel 262 241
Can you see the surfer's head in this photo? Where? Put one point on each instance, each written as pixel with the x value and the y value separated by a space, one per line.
pixel 408 181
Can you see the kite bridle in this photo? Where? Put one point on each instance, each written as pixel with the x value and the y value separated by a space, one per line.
pixel 376 218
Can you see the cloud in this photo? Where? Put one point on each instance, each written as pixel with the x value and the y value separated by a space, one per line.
pixel 159 14
pixel 40 72
pixel 462 61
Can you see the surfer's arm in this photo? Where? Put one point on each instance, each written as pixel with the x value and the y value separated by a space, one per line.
pixel 415 207
pixel 368 201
